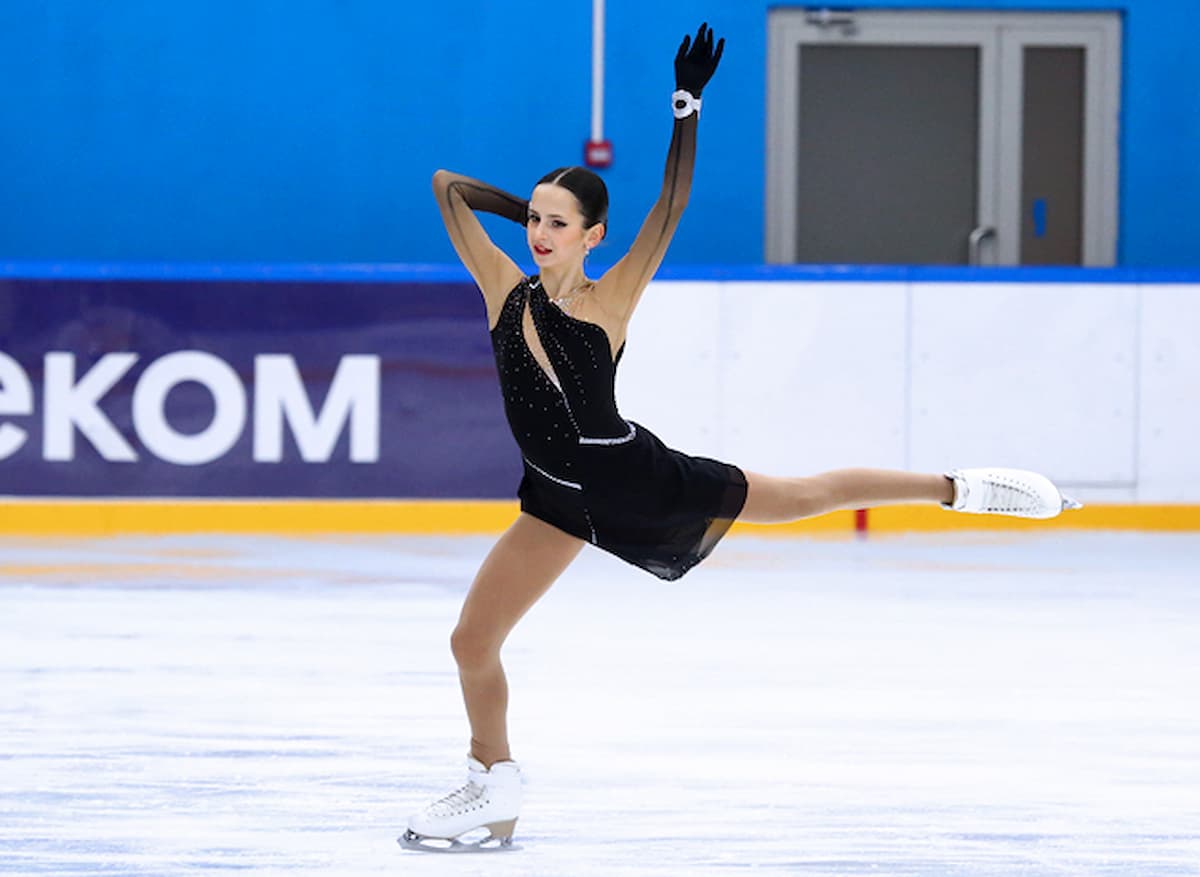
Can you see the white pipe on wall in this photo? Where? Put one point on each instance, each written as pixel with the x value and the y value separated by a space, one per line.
pixel 597 70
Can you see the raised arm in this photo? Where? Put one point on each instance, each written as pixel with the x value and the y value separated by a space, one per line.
pixel 695 63
pixel 458 197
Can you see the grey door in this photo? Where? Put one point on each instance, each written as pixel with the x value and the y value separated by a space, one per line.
pixel 888 167
pixel 937 138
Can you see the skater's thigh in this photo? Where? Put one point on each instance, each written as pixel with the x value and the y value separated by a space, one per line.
pixel 521 567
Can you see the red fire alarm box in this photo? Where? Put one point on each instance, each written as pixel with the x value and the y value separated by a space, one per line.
pixel 598 153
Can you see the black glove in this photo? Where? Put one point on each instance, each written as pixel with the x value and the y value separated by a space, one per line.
pixel 696 62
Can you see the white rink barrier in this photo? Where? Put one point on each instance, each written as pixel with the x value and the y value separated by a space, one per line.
pixel 1097 385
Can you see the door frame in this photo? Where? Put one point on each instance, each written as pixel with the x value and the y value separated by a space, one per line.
pixel 1099 35
pixel 1000 38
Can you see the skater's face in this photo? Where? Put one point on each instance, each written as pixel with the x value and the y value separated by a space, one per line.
pixel 555 231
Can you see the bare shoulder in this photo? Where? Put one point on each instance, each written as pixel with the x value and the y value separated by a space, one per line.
pixel 620 288
pixel 494 300
pixel 496 289
pixel 606 291
pixel 611 309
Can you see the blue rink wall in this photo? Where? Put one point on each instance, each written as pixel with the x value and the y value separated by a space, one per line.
pixel 376 384
pixel 260 131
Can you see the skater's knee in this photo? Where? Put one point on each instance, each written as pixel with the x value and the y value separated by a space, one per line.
pixel 473 649
pixel 805 497
pixel 816 495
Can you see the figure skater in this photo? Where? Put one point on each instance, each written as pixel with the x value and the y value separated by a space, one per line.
pixel 591 476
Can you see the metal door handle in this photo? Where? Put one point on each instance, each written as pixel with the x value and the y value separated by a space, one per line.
pixel 975 242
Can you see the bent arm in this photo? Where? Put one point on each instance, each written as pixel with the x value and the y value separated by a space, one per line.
pixel 458 197
pixel 631 275
pixel 480 196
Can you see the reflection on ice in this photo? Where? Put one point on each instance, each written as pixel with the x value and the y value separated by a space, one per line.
pixel 966 705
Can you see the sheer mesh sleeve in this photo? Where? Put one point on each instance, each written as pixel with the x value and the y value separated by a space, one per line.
pixel 650 246
pixel 458 197
pixel 480 196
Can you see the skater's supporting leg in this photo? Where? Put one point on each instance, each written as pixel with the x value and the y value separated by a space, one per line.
pixel 773 500
pixel 519 569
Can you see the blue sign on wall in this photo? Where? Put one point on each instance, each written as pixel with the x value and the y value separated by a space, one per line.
pixel 249 389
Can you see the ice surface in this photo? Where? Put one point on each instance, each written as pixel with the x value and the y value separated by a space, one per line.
pixel 960 705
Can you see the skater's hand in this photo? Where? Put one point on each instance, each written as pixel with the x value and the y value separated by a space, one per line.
pixel 696 62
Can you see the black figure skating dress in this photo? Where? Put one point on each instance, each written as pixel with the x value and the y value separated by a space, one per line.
pixel 589 472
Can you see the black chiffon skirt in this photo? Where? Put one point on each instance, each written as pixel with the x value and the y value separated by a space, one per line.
pixel 650 505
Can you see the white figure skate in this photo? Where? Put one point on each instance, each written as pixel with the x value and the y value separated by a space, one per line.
pixel 491 801
pixel 1007 492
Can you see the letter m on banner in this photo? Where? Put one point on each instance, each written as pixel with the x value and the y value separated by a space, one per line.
pixel 279 396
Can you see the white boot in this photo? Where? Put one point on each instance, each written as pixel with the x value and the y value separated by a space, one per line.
pixel 1007 492
pixel 491 799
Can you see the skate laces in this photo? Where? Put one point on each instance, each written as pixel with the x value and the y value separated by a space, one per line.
pixel 1006 496
pixel 457 800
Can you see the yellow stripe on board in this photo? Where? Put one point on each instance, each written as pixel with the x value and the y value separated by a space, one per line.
pixel 926 519
pixel 933 519
pixel 277 517
pixel 22 517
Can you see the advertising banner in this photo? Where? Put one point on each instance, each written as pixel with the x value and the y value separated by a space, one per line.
pixel 247 388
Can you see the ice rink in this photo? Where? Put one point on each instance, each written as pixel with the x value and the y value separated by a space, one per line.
pixel 952 705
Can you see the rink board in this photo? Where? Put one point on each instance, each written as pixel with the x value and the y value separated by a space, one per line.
pixel 349 388
pixel 275 399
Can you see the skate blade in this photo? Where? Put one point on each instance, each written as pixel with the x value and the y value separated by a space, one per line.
pixel 1069 503
pixel 410 840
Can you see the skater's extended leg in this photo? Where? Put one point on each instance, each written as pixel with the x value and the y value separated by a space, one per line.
pixel 773 500
pixel 521 567
pixel 997 491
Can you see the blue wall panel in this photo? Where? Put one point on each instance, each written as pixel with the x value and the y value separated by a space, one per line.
pixel 76 354
pixel 308 130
